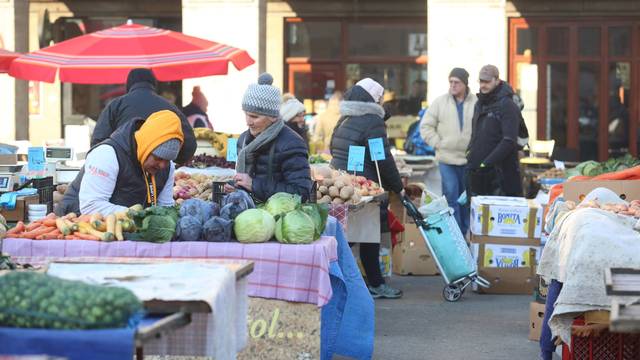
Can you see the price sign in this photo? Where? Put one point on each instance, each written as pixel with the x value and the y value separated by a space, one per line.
pixel 356 158
pixel 232 150
pixel 36 159
pixel 376 149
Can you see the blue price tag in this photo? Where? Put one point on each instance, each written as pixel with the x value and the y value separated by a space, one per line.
pixel 232 150
pixel 35 156
pixel 356 158
pixel 376 149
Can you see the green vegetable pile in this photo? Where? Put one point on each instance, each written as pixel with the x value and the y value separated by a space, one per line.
pixel 594 168
pixel 155 224
pixel 34 300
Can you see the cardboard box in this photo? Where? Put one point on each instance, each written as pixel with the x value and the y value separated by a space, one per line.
pixel 626 189
pixel 511 275
pixel 21 211
pixel 505 216
pixel 8 159
pixel 411 256
pixel 536 318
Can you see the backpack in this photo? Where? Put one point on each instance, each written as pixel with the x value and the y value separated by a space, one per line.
pixel 414 144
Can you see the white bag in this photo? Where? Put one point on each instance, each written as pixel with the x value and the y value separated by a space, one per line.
pixel 437 204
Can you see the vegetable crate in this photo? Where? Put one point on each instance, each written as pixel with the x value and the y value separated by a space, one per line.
pixel 607 346
pixel 45 189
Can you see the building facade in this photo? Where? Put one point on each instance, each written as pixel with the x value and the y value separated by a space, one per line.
pixel 575 63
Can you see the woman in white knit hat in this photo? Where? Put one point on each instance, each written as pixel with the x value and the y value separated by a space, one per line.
pixel 272 158
pixel 292 113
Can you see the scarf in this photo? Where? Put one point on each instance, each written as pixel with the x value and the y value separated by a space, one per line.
pixel 247 156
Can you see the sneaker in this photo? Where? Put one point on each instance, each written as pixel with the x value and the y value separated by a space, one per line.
pixel 385 291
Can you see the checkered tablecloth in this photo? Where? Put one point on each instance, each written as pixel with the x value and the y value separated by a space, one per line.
pixel 298 273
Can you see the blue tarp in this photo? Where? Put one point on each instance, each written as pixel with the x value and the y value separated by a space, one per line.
pixel 348 320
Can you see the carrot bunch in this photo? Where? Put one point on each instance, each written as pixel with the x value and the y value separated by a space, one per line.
pixel 53 227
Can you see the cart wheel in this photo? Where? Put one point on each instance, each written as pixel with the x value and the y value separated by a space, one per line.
pixel 452 292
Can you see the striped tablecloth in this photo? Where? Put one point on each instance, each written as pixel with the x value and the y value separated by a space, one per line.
pixel 298 273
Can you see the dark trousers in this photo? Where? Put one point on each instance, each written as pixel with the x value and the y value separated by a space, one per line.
pixel 547 345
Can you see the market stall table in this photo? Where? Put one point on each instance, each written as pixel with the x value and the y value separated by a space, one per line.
pixel 168 327
pixel 321 276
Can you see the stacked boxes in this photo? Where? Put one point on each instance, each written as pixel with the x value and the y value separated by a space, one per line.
pixel 506 242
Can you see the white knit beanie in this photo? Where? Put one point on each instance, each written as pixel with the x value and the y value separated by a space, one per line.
pixel 290 109
pixel 372 87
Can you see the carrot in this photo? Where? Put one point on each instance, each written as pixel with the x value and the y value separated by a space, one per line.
pixel 60 237
pixel 51 216
pixel 49 222
pixel 71 237
pixel 86 237
pixel 34 225
pixel 17 229
pixel 37 232
pixel 50 235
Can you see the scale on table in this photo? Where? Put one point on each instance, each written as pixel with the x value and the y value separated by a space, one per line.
pixel 9 175
pixel 59 159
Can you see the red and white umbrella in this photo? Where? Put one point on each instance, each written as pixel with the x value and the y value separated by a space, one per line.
pixel 107 56
pixel 6 58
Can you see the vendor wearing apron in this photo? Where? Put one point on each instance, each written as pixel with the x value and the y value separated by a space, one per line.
pixel 134 166
pixel 272 158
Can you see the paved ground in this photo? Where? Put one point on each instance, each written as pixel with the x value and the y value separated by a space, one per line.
pixel 422 325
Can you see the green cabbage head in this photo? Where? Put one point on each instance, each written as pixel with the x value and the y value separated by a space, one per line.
pixel 281 203
pixel 296 227
pixel 319 214
pixel 254 226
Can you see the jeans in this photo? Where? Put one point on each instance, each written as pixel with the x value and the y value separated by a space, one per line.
pixel 453 185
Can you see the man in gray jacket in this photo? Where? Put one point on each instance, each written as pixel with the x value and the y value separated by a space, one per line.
pixel 446 127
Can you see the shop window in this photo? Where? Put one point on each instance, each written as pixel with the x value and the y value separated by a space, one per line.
pixel 619 41
pixel 589 41
pixel 589 109
pixel 619 90
pixel 314 39
pixel 527 41
pixel 557 79
pixel 397 40
pixel 557 40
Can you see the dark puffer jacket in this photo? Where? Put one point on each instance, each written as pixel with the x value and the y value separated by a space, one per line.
pixel 362 119
pixel 140 101
pixel 281 166
pixel 494 139
pixel 130 186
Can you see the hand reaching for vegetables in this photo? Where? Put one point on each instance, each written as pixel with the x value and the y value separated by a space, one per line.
pixel 243 181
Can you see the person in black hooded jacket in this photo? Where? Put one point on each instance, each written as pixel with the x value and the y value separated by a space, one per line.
pixel 493 166
pixel 140 101
pixel 362 118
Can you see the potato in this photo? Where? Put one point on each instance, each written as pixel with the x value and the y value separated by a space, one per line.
pixel 364 192
pixel 355 199
pixel 334 192
pixel 319 195
pixel 327 182
pixel 325 200
pixel 346 192
pixel 323 189
pixel 337 201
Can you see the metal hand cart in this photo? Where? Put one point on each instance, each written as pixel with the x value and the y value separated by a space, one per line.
pixel 449 249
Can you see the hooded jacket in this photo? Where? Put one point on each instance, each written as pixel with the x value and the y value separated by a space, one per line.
pixel 280 166
pixel 132 144
pixel 363 119
pixel 140 101
pixel 494 139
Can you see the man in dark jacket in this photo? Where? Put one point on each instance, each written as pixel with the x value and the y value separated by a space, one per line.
pixel 493 167
pixel 362 118
pixel 140 101
pixel 272 158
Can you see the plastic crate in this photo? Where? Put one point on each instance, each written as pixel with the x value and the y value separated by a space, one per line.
pixel 607 346
pixel 45 195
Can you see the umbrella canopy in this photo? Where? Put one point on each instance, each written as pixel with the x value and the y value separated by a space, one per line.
pixel 107 56
pixel 6 57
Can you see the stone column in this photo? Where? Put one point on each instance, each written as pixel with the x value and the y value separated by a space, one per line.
pixel 239 23
pixel 14 36
pixel 464 33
